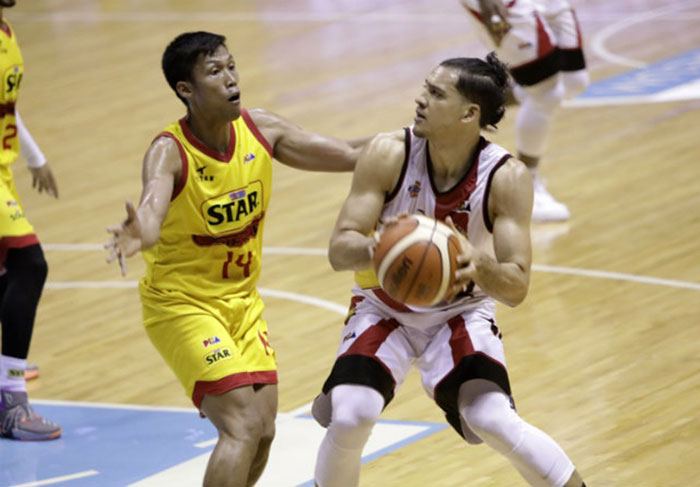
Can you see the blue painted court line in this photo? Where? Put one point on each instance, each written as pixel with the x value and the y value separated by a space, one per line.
pixel 654 78
pixel 114 446
pixel 123 445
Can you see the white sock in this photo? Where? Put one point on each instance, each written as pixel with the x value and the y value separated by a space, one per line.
pixel 12 374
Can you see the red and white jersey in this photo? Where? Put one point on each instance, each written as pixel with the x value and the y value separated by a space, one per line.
pixel 465 203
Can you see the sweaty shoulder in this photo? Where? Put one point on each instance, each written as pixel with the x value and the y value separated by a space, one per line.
pixel 164 156
pixel 383 158
pixel 511 190
pixel 270 124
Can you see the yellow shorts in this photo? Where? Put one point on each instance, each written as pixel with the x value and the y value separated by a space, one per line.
pixel 212 345
pixel 15 230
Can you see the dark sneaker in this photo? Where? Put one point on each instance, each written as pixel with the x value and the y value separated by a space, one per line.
pixel 31 372
pixel 18 421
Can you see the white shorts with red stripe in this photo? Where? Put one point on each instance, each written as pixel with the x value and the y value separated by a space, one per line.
pixel 541 42
pixel 376 350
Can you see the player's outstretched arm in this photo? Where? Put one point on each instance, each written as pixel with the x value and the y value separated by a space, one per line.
pixel 301 149
pixel 507 277
pixel 376 174
pixel 140 230
pixel 42 176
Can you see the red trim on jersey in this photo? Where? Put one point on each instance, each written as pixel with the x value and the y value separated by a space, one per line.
pixel 544 42
pixel 256 132
pixel 485 203
pixel 449 200
pixel 192 139
pixel 179 185
pixel 216 387
pixel 15 242
pixel 460 342
pixel 389 301
pixel 5 27
pixel 369 342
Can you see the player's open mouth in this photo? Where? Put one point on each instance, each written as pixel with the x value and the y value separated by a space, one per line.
pixel 235 98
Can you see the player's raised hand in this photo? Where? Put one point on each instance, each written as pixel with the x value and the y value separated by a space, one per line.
pixel 126 238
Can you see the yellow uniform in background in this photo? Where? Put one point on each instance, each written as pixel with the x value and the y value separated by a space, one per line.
pixel 15 230
pixel 201 308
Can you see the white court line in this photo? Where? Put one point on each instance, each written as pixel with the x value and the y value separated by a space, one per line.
pixel 620 276
pixel 616 276
pixel 56 480
pixel 601 37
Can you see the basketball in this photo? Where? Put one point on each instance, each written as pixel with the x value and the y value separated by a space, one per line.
pixel 416 259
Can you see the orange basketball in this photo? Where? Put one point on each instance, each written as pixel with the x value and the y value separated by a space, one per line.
pixel 416 259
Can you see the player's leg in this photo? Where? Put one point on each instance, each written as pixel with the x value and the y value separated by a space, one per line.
pixel 572 62
pixel 230 374
pixel 25 271
pixel 373 357
pixel 354 410
pixel 244 419
pixel 488 412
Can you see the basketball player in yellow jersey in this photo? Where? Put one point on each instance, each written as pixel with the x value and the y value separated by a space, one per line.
pixel 199 224
pixel 22 265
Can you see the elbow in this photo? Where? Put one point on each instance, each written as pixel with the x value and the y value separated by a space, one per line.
pixel 516 297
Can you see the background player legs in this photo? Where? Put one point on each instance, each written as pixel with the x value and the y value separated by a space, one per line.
pixel 355 410
pixel 245 420
pixel 538 105
pixel 487 411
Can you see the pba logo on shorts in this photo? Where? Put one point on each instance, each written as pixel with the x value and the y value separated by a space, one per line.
pixel 218 355
pixel 211 341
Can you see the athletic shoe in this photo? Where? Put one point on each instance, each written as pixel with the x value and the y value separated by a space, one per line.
pixel 31 372
pixel 545 208
pixel 18 421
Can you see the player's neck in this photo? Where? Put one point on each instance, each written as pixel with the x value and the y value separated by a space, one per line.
pixel 451 159
pixel 214 134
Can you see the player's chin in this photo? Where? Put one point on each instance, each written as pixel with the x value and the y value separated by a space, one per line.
pixel 419 130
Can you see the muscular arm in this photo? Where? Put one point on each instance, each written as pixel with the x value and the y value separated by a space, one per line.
pixel 506 278
pixel 376 173
pixel 306 150
pixel 162 167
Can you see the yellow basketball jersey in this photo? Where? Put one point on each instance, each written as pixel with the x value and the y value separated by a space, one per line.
pixel 211 240
pixel 11 70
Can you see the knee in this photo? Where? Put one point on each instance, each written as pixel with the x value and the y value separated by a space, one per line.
pixel 575 83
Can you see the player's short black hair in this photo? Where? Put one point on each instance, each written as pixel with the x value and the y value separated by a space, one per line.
pixel 485 82
pixel 182 53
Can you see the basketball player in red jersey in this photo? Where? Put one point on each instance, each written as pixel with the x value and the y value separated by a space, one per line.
pixel 23 267
pixel 206 188
pixel 443 168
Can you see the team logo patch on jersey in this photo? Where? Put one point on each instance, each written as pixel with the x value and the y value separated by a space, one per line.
pixel 202 176
pixel 414 189
pixel 218 355
pixel 211 341
pixel 248 157
pixel 233 210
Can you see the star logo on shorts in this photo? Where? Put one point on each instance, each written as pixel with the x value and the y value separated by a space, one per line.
pixel 349 336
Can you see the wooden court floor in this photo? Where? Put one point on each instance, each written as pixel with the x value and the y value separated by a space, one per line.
pixel 608 366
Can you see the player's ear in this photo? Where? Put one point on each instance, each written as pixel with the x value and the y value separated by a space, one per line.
pixel 471 112
pixel 184 89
